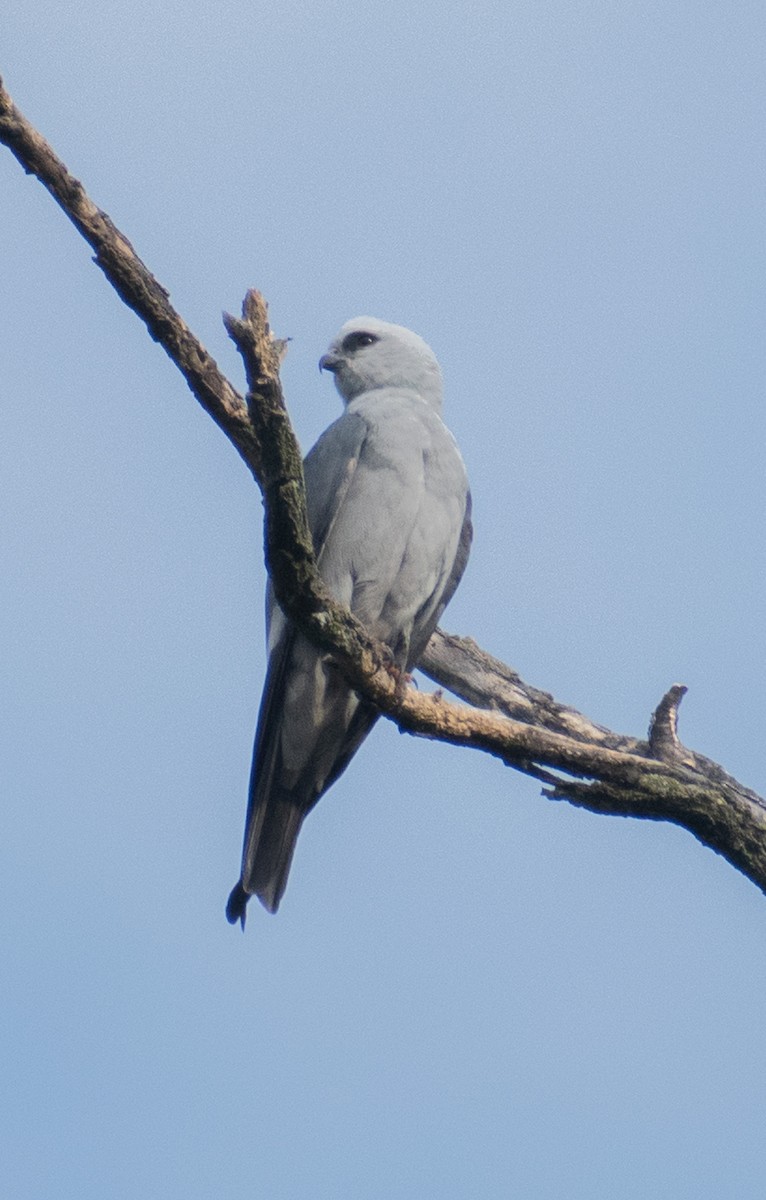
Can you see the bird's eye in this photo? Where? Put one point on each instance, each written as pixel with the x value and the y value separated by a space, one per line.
pixel 355 341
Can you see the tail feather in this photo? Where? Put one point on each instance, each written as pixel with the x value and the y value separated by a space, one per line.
pixel 279 801
pixel 268 857
pixel 265 869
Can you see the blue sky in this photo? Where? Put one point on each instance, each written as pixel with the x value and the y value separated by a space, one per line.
pixel 469 991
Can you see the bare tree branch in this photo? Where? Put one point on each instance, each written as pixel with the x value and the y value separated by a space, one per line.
pixel 131 279
pixel 579 761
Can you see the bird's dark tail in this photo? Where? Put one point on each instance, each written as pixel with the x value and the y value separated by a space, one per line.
pixel 268 854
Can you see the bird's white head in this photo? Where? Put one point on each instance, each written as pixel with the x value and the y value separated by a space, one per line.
pixel 367 354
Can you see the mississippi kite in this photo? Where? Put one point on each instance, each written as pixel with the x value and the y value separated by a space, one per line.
pixel 389 510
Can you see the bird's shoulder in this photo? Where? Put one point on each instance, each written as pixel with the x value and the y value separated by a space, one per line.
pixel 381 425
pixel 386 447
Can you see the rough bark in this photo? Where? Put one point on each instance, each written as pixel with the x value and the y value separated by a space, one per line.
pixel 578 760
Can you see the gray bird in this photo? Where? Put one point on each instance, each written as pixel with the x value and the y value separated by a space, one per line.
pixel 389 510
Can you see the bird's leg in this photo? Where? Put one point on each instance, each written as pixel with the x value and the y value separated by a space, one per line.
pixel 401 678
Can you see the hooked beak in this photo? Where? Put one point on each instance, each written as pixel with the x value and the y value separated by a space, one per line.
pixel 328 362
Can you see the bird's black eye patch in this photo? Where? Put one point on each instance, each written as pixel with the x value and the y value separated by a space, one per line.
pixel 358 339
